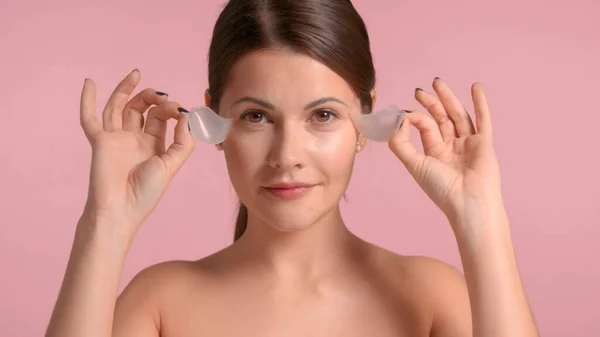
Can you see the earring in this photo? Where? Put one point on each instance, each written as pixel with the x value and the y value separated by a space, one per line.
pixel 359 145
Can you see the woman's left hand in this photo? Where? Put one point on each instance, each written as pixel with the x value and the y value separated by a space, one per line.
pixel 458 168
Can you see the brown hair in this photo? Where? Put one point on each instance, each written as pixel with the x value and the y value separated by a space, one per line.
pixel 330 31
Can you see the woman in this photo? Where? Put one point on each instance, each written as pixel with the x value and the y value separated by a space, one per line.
pixel 290 74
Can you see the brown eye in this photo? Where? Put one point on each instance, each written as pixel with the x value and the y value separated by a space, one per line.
pixel 323 116
pixel 253 116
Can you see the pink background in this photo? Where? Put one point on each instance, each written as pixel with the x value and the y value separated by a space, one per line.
pixel 539 62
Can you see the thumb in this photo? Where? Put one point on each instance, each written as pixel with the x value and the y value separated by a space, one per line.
pixel 182 147
pixel 404 149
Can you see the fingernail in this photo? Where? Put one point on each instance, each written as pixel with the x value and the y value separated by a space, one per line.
pixel 437 78
pixel 160 93
pixel 182 110
pixel 408 111
pixel 136 70
pixel 417 90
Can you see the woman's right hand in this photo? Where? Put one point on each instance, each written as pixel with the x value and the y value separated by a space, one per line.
pixel 131 166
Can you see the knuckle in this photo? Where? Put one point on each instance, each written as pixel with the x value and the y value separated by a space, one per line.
pixel 115 112
pixel 148 96
pixel 443 119
pixel 131 110
pixel 436 104
pixel 148 91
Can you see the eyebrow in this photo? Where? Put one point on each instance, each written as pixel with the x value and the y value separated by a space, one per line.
pixel 271 106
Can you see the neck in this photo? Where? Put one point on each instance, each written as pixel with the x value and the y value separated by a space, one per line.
pixel 302 254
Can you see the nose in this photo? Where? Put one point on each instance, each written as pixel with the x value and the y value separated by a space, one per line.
pixel 289 147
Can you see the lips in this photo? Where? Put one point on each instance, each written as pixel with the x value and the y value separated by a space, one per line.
pixel 289 191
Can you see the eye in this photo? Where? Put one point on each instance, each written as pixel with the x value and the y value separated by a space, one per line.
pixel 323 116
pixel 254 117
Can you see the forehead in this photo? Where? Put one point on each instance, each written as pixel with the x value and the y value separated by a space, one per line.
pixel 279 75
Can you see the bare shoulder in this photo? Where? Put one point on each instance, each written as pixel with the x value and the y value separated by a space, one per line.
pixel 164 275
pixel 432 273
pixel 139 309
pixel 436 289
pixel 420 272
pixel 444 288
pixel 162 282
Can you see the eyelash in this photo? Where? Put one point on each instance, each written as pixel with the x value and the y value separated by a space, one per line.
pixel 331 113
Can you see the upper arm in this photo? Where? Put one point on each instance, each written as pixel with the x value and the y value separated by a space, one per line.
pixel 452 308
pixel 137 307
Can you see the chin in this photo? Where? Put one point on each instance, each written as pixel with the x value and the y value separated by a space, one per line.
pixel 289 218
pixel 289 211
pixel 292 215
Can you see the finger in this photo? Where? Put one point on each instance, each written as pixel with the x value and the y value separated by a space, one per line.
pixel 438 112
pixel 87 110
pixel 156 122
pixel 482 111
pixel 404 149
pixel 455 109
pixel 428 129
pixel 112 117
pixel 457 112
pixel 133 113
pixel 181 148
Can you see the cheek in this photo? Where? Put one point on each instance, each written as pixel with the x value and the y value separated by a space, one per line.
pixel 335 152
pixel 244 158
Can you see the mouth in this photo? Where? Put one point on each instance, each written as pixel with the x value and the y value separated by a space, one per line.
pixel 289 191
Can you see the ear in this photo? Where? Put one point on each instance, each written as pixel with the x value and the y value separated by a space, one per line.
pixel 373 98
pixel 207 99
pixel 362 140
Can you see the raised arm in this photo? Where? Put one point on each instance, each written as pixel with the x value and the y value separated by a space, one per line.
pixel 459 172
pixel 129 173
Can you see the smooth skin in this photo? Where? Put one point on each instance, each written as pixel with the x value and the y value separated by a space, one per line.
pixel 297 271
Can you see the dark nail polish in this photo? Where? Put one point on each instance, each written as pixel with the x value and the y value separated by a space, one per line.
pixel 182 110
pixel 417 90
pixel 160 93
pixel 437 78
pixel 408 111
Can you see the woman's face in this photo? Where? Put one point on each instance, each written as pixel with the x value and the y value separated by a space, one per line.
pixel 292 143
